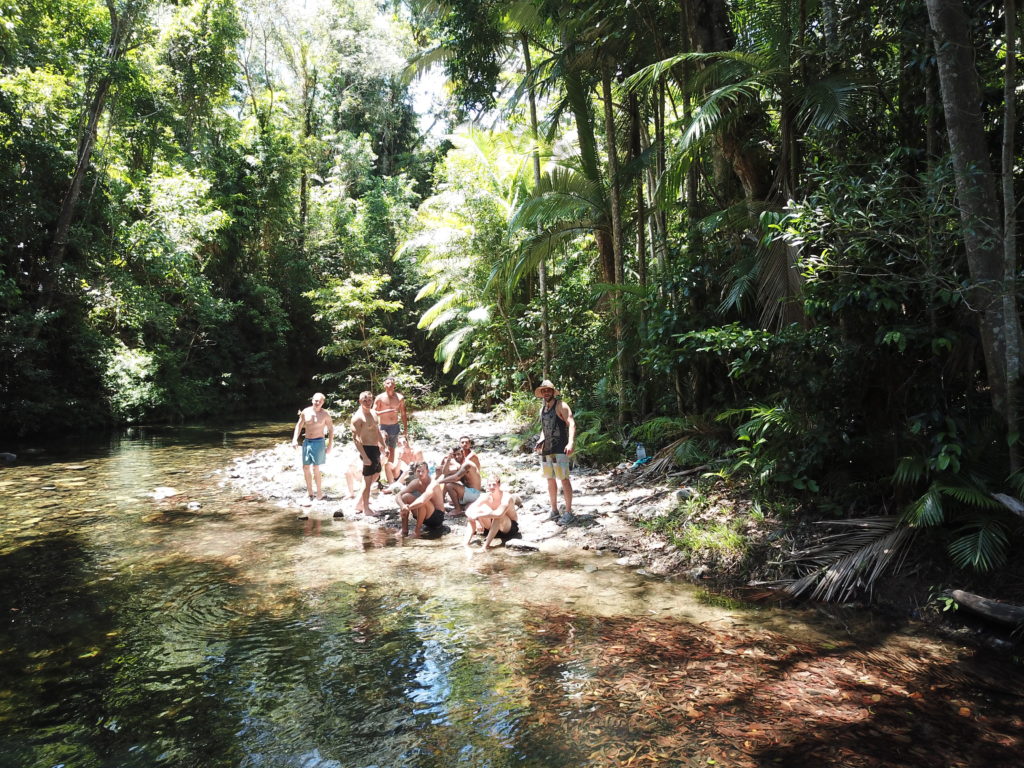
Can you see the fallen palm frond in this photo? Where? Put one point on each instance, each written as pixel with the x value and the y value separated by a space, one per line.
pixel 663 461
pixel 845 563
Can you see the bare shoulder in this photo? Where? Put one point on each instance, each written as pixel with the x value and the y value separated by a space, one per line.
pixel 563 409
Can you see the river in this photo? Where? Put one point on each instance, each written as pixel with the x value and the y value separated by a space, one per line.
pixel 210 628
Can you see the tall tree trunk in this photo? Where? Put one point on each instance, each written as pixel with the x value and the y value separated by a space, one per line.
pixel 641 242
pixel 991 297
pixel 121 29
pixel 710 30
pixel 578 97
pixel 542 267
pixel 1013 341
pixel 309 84
pixel 616 214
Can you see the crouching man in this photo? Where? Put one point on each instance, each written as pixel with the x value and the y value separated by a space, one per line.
pixel 423 499
pixel 493 514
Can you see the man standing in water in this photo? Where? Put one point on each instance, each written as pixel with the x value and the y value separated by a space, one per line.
pixel 369 442
pixel 319 430
pixel 388 406
pixel 555 445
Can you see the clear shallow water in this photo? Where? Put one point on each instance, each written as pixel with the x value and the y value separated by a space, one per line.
pixel 139 632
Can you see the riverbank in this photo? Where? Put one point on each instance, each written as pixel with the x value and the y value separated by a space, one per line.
pixel 667 526
pixel 730 544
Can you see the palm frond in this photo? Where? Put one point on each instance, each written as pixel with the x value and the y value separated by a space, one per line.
pixel 439 316
pixel 743 279
pixel 670 185
pixel 712 112
pixel 826 103
pixel 927 510
pixel 910 470
pixel 422 61
pixel 779 283
pixel 448 349
pixel 969 495
pixel 533 249
pixel 981 544
pixel 846 563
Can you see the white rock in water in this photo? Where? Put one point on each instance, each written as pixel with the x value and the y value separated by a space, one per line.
pixel 193 505
pixel 164 492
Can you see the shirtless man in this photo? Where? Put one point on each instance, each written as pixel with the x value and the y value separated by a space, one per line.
pixel 403 457
pixel 319 430
pixel 495 513
pixel 467 450
pixel 449 463
pixel 463 486
pixel 369 442
pixel 388 406
pixel 423 498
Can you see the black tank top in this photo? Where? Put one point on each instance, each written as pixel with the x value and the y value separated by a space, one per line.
pixel 556 430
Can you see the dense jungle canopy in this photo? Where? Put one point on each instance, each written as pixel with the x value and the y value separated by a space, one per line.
pixel 774 237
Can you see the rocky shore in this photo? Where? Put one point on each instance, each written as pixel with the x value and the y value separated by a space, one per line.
pixel 607 505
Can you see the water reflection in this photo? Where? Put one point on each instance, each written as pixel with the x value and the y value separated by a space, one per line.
pixel 142 632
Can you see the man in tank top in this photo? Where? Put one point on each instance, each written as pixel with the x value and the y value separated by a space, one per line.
pixel 555 446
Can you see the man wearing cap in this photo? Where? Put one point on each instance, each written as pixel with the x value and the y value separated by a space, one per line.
pixel 555 446
pixel 317 444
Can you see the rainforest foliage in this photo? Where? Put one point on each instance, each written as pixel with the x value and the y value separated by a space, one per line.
pixel 774 237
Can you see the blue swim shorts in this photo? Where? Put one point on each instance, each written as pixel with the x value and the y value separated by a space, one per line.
pixel 314 451
pixel 469 495
pixel 391 432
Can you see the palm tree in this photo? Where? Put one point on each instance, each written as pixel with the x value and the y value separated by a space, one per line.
pixel 463 236
pixel 737 91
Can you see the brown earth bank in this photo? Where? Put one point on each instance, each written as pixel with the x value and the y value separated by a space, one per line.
pixel 679 524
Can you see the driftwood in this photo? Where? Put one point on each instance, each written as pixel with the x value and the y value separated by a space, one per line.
pixel 1003 613
pixel 1012 504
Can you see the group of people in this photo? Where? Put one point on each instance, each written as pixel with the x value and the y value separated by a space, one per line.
pixel 380 436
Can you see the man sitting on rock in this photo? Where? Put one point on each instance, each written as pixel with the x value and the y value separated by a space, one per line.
pixel 463 486
pixel 494 513
pixel 423 498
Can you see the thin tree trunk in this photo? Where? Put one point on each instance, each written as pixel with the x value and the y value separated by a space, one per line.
pixel 85 146
pixel 619 272
pixel 1013 341
pixel 542 267
pixel 121 29
pixel 641 244
pixel 990 296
